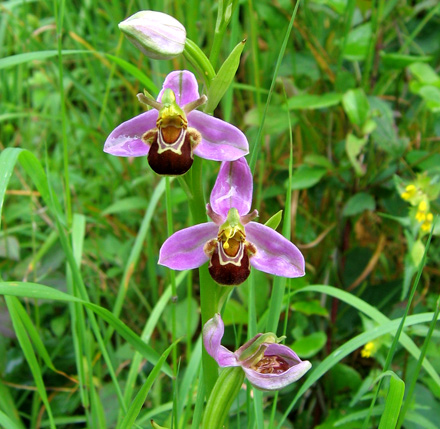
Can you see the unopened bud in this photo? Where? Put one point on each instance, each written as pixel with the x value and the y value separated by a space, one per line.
pixel 156 34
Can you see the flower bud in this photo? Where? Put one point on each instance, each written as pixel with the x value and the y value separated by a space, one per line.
pixel 156 34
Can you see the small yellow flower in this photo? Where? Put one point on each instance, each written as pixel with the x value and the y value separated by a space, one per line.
pixel 427 224
pixel 369 349
pixel 422 210
pixel 410 192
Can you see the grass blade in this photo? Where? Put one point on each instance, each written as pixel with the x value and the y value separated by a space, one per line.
pixel 140 398
pixel 393 402
pixel 29 354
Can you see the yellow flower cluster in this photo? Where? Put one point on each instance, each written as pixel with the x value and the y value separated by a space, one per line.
pixel 410 192
pixel 424 216
pixel 418 198
pixel 369 349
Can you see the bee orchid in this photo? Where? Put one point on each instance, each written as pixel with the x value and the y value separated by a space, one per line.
pixel 173 131
pixel 232 243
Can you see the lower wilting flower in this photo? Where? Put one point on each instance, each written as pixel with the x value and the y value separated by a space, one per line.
pixel 267 364
pixel 173 131
pixel 232 243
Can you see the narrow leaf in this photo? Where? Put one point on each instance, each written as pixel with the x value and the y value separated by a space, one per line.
pixel 224 77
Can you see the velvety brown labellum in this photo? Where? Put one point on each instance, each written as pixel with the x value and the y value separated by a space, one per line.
pixel 229 274
pixel 169 162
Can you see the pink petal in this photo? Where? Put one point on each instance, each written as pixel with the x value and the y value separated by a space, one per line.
pixel 275 254
pixel 184 249
pixel 220 141
pixel 233 188
pixel 125 139
pixel 277 381
pixel 184 85
pixel 212 335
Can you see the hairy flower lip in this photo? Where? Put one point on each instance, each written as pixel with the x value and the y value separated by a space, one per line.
pixel 269 251
pixel 212 335
pixel 220 141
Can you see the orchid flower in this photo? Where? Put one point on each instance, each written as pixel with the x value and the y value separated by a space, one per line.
pixel 267 364
pixel 173 131
pixel 231 242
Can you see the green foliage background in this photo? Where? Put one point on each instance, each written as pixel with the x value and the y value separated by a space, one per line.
pixel 357 91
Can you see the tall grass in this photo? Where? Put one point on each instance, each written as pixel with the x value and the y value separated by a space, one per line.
pixel 340 102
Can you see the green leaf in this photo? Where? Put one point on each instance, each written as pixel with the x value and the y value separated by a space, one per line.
pixel 32 332
pixel 358 40
pixel 425 74
pixel 8 159
pixel 6 422
pixel 356 106
pixel 126 204
pixel 276 122
pixel 135 71
pixel 29 354
pixel 393 403
pixel 310 307
pixel 140 398
pixel 7 404
pixel 39 291
pixel 424 160
pixel 342 378
pixel 338 6
pixel 182 309
pixel 359 203
pixel 10 248
pixel 431 95
pixel 224 77
pixel 417 251
pixel 353 147
pixel 310 101
pixel 307 176
pixel 385 135
pixel 318 161
pixel 275 220
pixel 235 313
pixel 27 57
pixel 309 345
pixel 398 61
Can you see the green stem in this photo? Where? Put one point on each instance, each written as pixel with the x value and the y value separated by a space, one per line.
pixel 209 290
pixel 225 391
pixel 172 273
pixel 255 56
pixel 225 11
pixel 376 10
pixel 199 61
pixel 256 148
pixel 59 15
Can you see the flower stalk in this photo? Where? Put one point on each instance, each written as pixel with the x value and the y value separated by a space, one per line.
pixel 223 395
